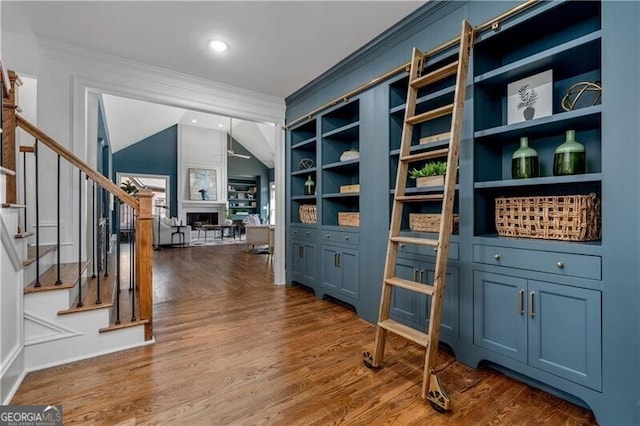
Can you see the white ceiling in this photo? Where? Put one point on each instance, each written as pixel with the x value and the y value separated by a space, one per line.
pixel 276 47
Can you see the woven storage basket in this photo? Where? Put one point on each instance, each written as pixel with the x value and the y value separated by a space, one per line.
pixel 308 213
pixel 427 222
pixel 349 218
pixel 563 217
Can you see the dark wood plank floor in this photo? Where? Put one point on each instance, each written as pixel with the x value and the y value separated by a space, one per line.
pixel 234 349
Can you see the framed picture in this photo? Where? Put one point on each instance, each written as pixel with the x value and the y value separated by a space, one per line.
pixel 530 98
pixel 203 185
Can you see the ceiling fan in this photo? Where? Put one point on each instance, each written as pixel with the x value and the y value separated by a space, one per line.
pixel 230 152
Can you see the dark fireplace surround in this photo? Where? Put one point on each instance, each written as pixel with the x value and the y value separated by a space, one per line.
pixel 207 218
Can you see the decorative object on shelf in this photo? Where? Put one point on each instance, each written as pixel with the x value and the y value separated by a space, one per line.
pixel 351 154
pixel 569 158
pixel 431 174
pixel 346 189
pixel 582 94
pixel 202 185
pixel 309 186
pixel 305 163
pixel 349 219
pixel 530 98
pixel 308 213
pixel 430 222
pixel 524 161
pixel 558 217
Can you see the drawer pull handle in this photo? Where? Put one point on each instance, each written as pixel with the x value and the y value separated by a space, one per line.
pixel 521 302
pixel 560 265
pixel 532 312
pixel 496 256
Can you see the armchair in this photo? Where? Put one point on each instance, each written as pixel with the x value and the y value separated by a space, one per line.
pixel 166 234
pixel 257 234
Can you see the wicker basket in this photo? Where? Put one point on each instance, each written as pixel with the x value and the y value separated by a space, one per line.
pixel 564 217
pixel 426 222
pixel 308 213
pixel 349 218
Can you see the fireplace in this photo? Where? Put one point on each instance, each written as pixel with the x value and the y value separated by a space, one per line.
pixel 206 218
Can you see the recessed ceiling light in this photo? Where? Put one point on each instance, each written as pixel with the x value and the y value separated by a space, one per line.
pixel 220 125
pixel 194 121
pixel 218 45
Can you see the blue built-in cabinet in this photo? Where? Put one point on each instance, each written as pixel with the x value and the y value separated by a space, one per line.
pixel 563 316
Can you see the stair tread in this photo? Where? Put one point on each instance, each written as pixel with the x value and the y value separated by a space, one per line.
pixel 13 206
pixel 122 325
pixel 423 197
pixel 31 253
pixel 405 331
pixel 436 153
pixel 411 285
pixel 68 276
pixel 414 240
pixel 21 235
pixel 430 115
pixel 89 295
pixel 435 75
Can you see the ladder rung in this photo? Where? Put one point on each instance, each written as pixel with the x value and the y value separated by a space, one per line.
pixel 435 138
pixel 407 332
pixel 436 153
pixel 435 75
pixel 411 285
pixel 431 115
pixel 413 240
pixel 417 198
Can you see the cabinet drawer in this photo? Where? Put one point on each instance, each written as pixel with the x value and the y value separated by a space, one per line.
pixel 428 251
pixel 340 237
pixel 574 265
pixel 301 232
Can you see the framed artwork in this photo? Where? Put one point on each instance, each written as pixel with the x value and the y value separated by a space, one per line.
pixel 530 98
pixel 203 185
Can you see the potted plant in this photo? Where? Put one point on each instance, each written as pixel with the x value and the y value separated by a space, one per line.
pixel 431 174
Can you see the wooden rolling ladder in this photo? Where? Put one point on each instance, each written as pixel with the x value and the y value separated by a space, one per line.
pixel 431 388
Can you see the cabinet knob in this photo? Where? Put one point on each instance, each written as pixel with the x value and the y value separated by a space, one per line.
pixel 307 233
pixel 560 265
pixel 402 245
pixel 295 232
pixel 496 256
pixel 327 236
pixel 346 238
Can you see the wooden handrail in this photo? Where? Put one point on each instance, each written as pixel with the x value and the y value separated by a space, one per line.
pixel 28 127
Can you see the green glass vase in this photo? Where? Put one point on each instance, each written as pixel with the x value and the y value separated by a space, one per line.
pixel 524 161
pixel 309 186
pixel 569 158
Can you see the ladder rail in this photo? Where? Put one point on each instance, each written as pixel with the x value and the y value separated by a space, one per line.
pixel 446 220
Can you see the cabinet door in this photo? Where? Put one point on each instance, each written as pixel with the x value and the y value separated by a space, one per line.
pixel 450 308
pixel 297 257
pixel 406 305
pixel 331 274
pixel 499 321
pixel 310 262
pixel 350 272
pixel 565 333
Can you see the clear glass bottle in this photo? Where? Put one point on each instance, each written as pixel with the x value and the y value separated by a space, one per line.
pixel 524 161
pixel 569 158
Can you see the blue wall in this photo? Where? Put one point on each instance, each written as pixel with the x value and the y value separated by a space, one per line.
pixel 155 155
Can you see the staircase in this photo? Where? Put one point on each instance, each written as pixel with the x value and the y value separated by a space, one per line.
pixel 55 309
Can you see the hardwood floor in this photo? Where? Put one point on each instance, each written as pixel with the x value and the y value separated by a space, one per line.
pixel 234 349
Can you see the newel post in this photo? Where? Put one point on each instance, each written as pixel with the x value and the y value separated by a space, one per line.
pixel 144 274
pixel 9 157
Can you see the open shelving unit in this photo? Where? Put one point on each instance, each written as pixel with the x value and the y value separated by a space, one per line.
pixel 242 196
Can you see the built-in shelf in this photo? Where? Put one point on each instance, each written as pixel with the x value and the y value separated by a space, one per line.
pixel 341 195
pixel 303 197
pixel 342 164
pixel 431 96
pixel 422 147
pixel 351 127
pixel 546 180
pixel 304 171
pixel 304 144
